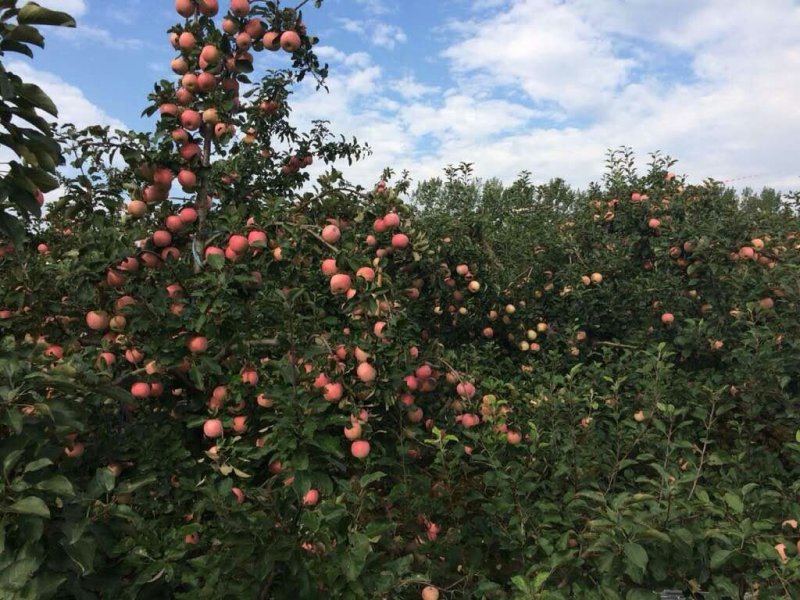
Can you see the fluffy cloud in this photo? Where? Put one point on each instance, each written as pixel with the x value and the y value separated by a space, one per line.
pixel 384 35
pixel 88 34
pixel 549 86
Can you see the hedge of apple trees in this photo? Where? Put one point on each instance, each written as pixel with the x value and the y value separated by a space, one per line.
pixel 224 379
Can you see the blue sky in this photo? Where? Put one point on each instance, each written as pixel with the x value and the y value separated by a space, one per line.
pixel 541 85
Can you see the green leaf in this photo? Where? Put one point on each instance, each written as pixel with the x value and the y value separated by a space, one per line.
pixel 734 502
pixel 216 261
pixel 82 554
pixel 18 47
pixel 10 227
pixel 27 35
pixel 57 484
pixel 371 477
pixel 356 558
pixel 30 505
pixel 131 486
pixel 114 392
pixel 13 419
pixel 73 530
pixel 102 483
pixel 10 459
pixel 637 555
pixel 34 94
pixel 16 575
pixel 33 14
pixel 37 464
pixel 720 557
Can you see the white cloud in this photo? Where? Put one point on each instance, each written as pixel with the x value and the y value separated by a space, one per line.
pixel 411 89
pixel 88 34
pixel 378 7
pixel 387 36
pixel 546 49
pixel 384 35
pixel 549 86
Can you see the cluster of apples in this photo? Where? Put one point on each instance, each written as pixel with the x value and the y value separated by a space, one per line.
pixel 342 283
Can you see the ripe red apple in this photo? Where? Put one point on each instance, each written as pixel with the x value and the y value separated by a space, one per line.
pixel 130 264
pixel 187 215
pixel 210 54
pixel 667 318
pixel 185 8
pixel 115 278
pixel 244 40
pixel 137 208
pixel 360 449
pixel 140 389
pixel 197 344
pixel 168 109
pixel 54 351
pixel 272 41
pixel 117 323
pixel 329 267
pixel 240 424
pixel 264 401
pixel 191 120
pixel 187 41
pixel 367 273
pixel 340 283
pixel 208 8
pixel 391 220
pixel 162 238
pixel 257 239
pixel 97 319
pixel 465 389
pixel 333 392
pixel 207 82
pixel 353 431
pixel 311 498
pixel 189 150
pixel 249 376
pixel 75 450
pixel 240 8
pixel 238 243
pixel 430 593
pixel 290 41
pixel 212 428
pixel 366 372
pixel 254 28
pixel 230 26
pixel 331 234
pixel 179 66
pixel 108 358
pixel 400 240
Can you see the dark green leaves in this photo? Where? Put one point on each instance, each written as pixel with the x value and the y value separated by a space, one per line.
pixel 30 505
pixel 33 14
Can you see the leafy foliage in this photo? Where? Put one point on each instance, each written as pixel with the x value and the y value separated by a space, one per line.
pixel 25 131
pixel 252 385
